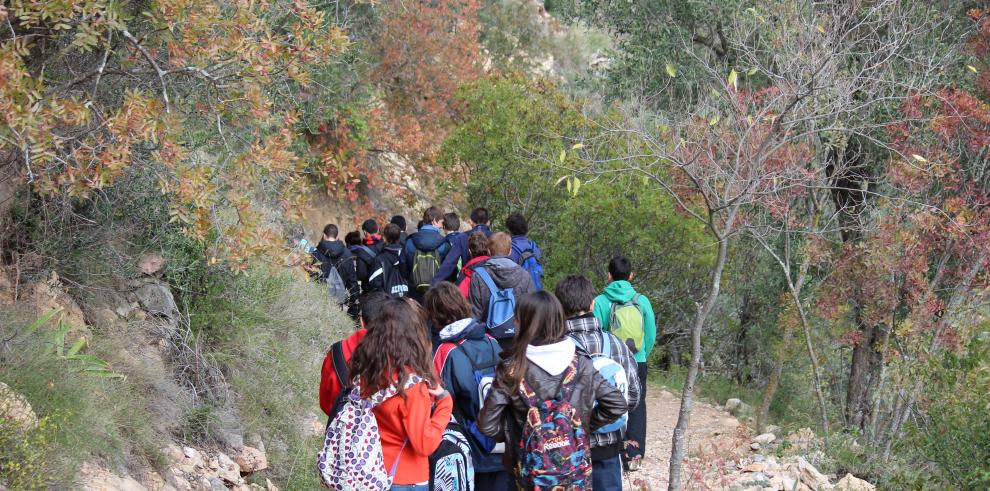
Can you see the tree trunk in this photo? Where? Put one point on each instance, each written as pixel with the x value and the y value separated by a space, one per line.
pixel 864 370
pixel 773 383
pixel 816 370
pixel 679 441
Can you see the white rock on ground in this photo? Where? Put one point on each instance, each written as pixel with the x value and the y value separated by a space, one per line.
pixel 765 439
pixel 15 407
pixel 96 478
pixel 251 460
pixel 853 483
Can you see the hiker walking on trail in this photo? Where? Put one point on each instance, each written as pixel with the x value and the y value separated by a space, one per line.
pixel 451 230
pixel 614 361
pixel 495 286
pixel 400 221
pixel 459 251
pixel 388 274
pixel 338 270
pixel 392 373
pixel 525 252
pixel 544 372
pixel 465 358
pixel 370 236
pixel 629 316
pixel 478 250
pixel 365 263
pixel 334 374
pixel 423 252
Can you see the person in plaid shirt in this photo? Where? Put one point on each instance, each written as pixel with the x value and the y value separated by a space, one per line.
pixel 577 296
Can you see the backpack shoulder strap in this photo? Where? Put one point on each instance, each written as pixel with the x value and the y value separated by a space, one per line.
pixel 606 344
pixel 487 278
pixel 340 365
pixel 369 250
pixel 440 357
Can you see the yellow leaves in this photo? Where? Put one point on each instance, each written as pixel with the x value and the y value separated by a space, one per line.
pixel 671 71
pixel 918 158
pixel 733 79
pixel 972 68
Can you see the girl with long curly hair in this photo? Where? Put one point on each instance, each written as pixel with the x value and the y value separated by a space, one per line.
pixel 411 424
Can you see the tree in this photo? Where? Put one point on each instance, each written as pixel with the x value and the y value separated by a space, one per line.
pixel 752 147
pixel 207 90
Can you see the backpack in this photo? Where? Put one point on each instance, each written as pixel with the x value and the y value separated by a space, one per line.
pixel 626 323
pixel 351 458
pixel 613 373
pixel 553 451
pixel 329 273
pixel 425 266
pixel 501 322
pixel 531 263
pixel 484 377
pixel 394 282
pixel 451 468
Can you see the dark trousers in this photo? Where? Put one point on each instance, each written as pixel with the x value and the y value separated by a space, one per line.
pixel 606 474
pixel 635 445
pixel 493 481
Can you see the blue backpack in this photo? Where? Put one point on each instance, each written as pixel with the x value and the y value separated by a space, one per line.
pixel 613 373
pixel 501 321
pixel 531 263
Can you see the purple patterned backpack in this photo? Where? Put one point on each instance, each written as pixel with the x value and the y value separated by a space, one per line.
pixel 351 458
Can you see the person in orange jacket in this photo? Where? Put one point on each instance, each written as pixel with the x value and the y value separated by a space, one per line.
pixel 412 423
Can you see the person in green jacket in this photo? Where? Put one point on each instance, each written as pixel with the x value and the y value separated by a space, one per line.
pixel 629 315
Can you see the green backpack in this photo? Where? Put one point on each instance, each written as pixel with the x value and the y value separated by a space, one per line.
pixel 425 266
pixel 626 323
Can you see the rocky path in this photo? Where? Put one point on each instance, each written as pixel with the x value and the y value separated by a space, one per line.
pixel 712 432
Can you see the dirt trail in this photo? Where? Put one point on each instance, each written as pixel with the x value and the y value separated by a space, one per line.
pixel 710 428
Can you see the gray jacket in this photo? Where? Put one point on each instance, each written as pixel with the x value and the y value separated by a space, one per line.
pixel 506 274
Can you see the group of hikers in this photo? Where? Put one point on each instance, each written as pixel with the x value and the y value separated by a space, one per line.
pixel 466 375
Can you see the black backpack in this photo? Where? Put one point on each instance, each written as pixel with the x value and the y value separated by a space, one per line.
pixel 394 282
pixel 451 468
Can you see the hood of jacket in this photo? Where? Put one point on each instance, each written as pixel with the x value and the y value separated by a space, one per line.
pixel 428 238
pixel 506 273
pixel 334 249
pixel 479 228
pixel 468 268
pixel 619 291
pixel 393 248
pixel 552 358
pixel 462 329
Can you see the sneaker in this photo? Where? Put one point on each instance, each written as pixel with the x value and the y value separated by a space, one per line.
pixel 633 466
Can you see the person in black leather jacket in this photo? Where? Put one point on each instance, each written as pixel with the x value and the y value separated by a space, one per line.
pixel 540 353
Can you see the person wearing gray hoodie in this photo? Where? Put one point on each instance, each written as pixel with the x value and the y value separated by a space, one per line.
pixel 504 273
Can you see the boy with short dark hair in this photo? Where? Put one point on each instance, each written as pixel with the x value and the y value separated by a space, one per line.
pixel 400 221
pixel 370 235
pixel 390 264
pixel 334 254
pixel 458 248
pixel 524 250
pixel 629 316
pixel 424 251
pixel 577 297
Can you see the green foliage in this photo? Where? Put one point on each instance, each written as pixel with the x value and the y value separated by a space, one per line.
pixel 517 167
pixel 955 434
pixel 269 329
pixel 27 454
pixel 86 416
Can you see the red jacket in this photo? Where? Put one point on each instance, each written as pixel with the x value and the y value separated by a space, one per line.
pixel 468 271
pixel 413 416
pixel 329 385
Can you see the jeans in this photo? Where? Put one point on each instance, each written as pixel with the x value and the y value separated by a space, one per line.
pixel 635 445
pixel 410 487
pixel 606 474
pixel 493 481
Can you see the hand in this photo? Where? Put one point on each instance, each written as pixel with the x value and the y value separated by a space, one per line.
pixel 437 391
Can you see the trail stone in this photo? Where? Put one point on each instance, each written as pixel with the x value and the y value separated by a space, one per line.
pixel 251 460
pixel 755 467
pixel 175 478
pixel 765 439
pixel 853 483
pixel 216 484
pixel 15 407
pixel 229 471
pixel 732 404
pixel 150 264
pixel 270 485
pixel 809 475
